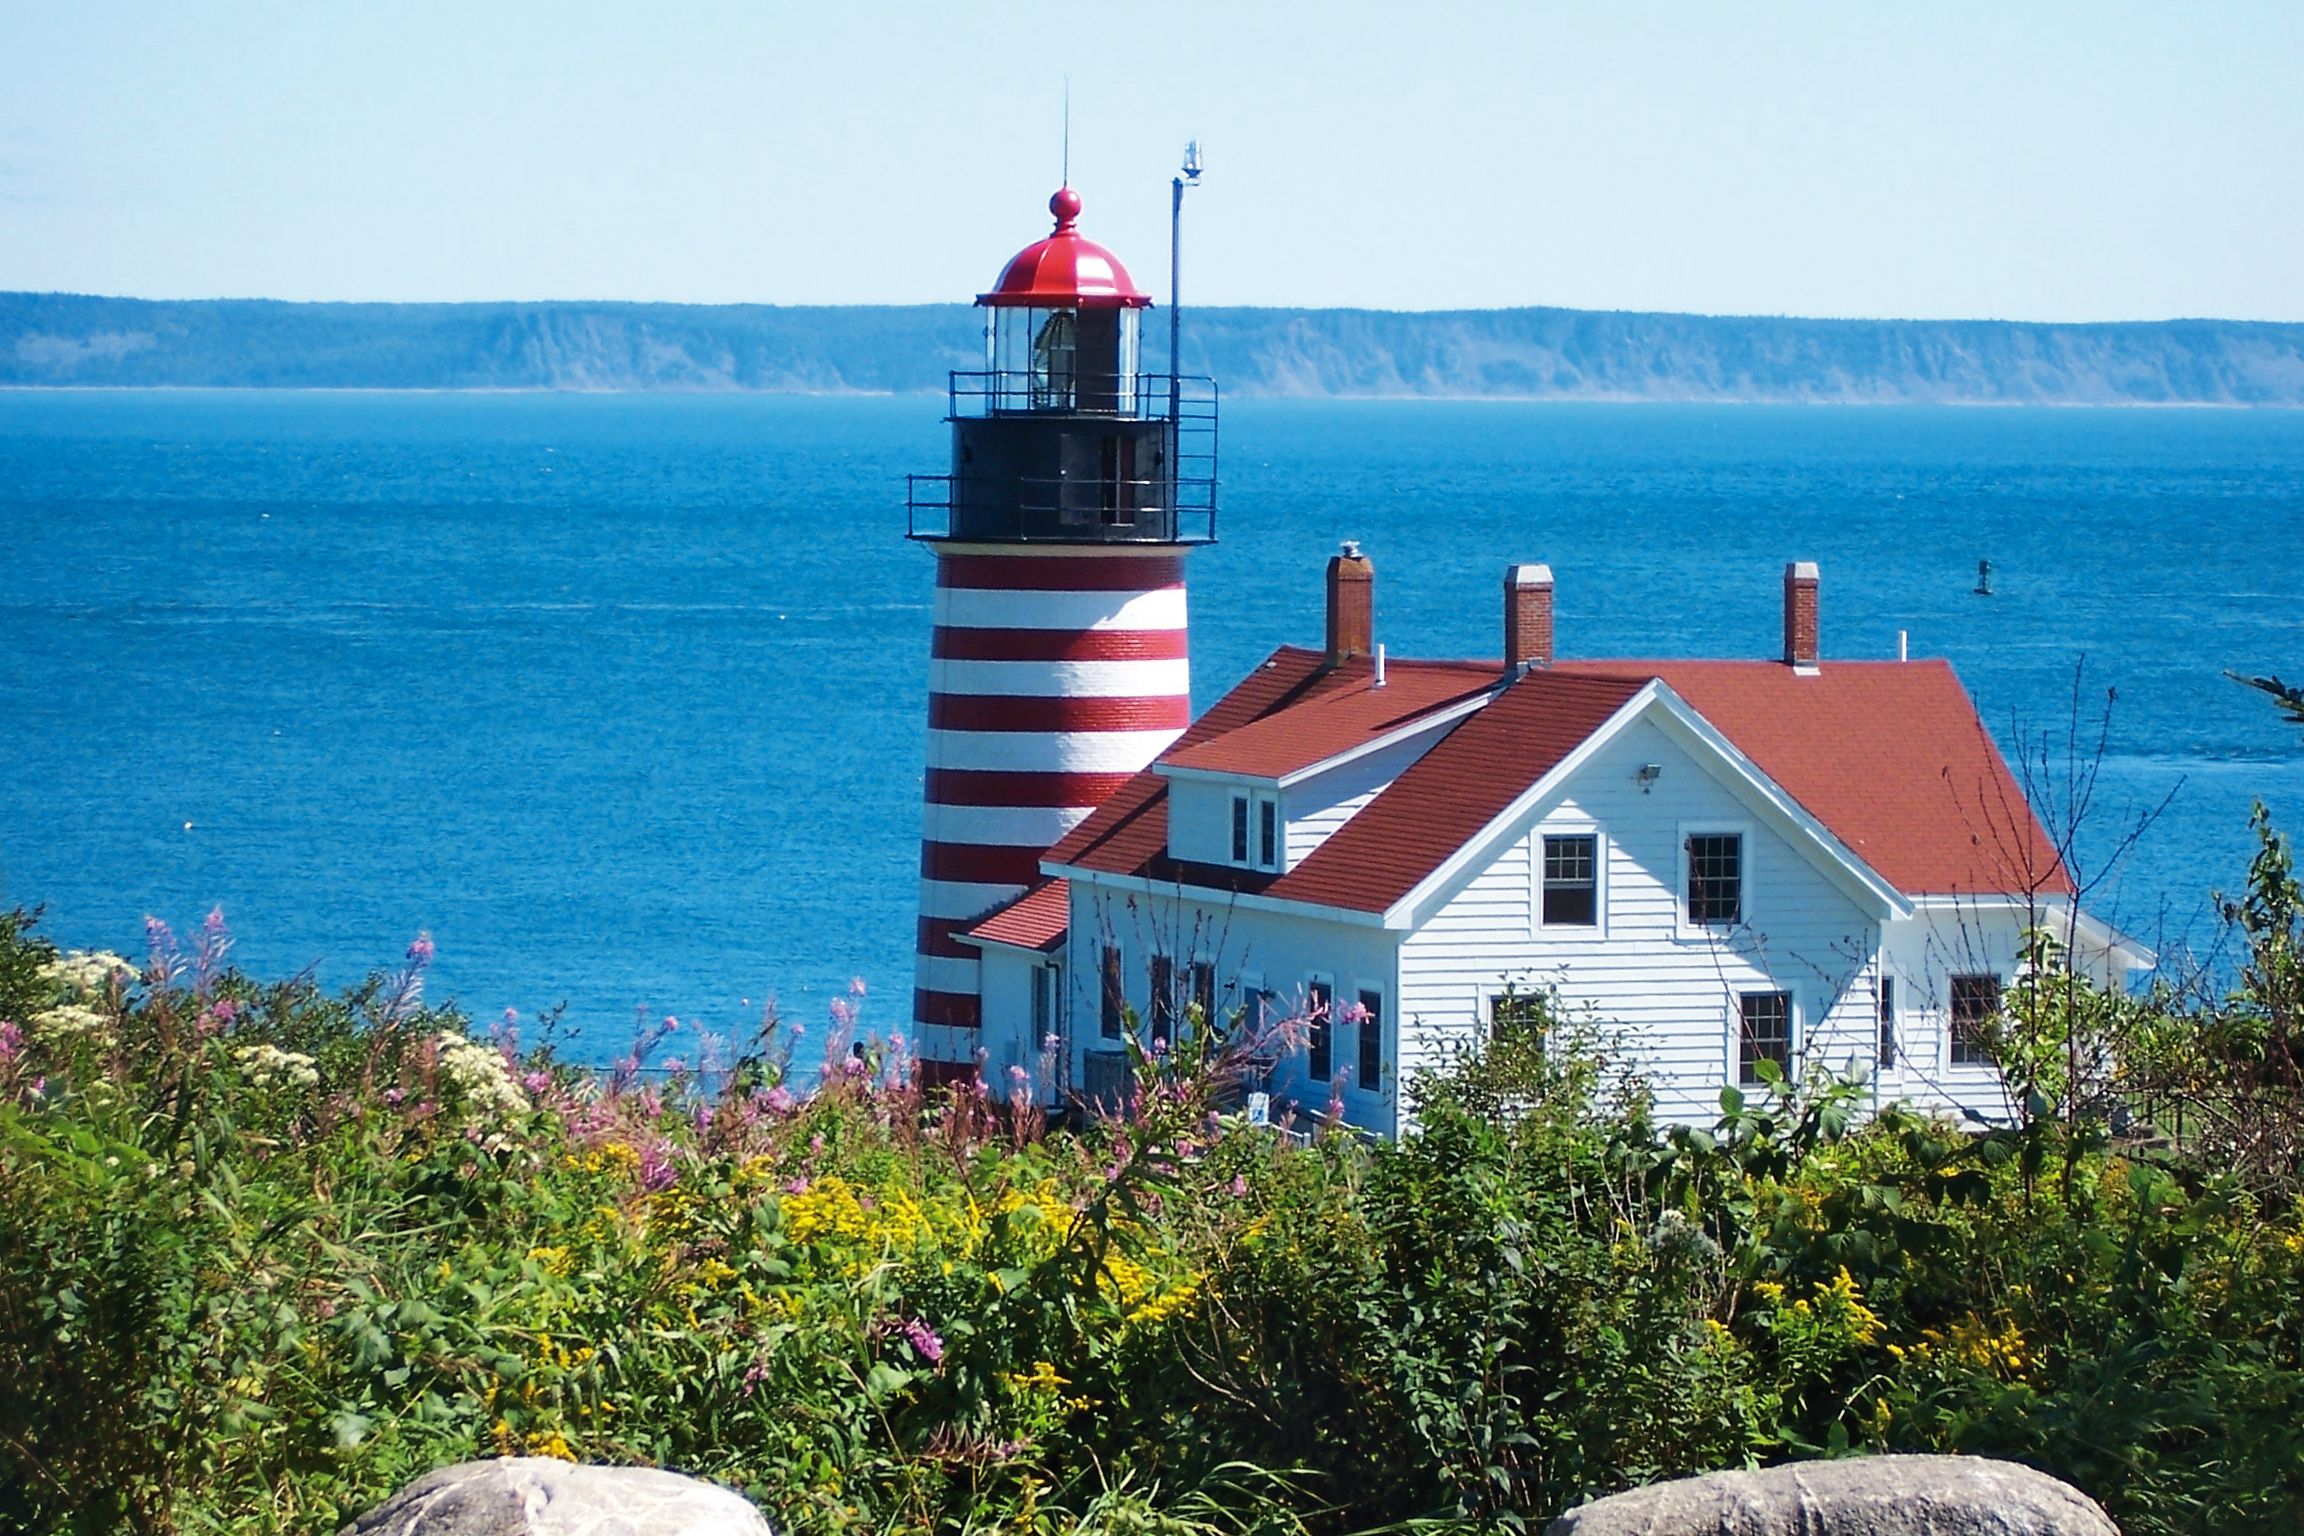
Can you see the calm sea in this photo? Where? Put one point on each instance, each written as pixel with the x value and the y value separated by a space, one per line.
pixel 620 697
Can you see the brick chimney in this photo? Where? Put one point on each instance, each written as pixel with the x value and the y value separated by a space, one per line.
pixel 1527 618
pixel 1800 650
pixel 1351 604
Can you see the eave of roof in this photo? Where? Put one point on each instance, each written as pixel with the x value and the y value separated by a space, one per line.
pixel 1035 920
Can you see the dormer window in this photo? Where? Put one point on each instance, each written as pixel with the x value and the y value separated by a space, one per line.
pixel 1255 829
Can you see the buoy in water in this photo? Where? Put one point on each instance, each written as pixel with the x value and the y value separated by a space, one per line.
pixel 1983 578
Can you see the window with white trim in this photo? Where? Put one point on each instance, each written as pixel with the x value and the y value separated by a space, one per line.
pixel 1267 831
pixel 1887 986
pixel 1764 1033
pixel 1239 828
pixel 1369 1068
pixel 1975 999
pixel 1571 875
pixel 1715 879
pixel 1319 1006
pixel 1115 995
pixel 1047 1002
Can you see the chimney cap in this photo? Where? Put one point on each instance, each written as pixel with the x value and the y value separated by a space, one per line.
pixel 1528 575
pixel 1350 549
pixel 1801 570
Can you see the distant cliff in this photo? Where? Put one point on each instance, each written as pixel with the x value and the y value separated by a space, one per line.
pixel 1563 354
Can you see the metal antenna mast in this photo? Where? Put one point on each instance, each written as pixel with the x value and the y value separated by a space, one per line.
pixel 1188 176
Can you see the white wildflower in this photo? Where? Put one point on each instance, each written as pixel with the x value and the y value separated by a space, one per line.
pixel 87 973
pixel 69 1022
pixel 487 1089
pixel 267 1065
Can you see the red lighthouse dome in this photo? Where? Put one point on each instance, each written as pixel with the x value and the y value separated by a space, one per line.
pixel 1065 271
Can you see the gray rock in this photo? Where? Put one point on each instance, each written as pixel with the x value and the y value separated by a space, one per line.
pixel 1860 1496
pixel 537 1496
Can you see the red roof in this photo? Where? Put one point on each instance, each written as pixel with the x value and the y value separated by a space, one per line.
pixel 1065 271
pixel 1890 756
pixel 1351 712
pixel 1034 920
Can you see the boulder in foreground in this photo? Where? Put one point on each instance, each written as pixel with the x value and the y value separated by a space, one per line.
pixel 1861 1496
pixel 537 1496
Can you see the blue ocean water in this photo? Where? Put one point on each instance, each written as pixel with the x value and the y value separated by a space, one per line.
pixel 621 697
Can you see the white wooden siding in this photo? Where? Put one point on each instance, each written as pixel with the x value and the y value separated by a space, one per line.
pixel 1284 951
pixel 1667 995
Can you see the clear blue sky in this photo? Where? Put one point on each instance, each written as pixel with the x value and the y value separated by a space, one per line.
pixel 2100 160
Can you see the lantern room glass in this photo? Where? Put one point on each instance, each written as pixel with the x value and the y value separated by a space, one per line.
pixel 1072 359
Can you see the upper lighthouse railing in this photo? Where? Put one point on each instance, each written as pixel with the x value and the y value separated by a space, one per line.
pixel 1026 392
pixel 1107 503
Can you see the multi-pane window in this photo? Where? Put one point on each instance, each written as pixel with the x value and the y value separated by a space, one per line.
pixel 1115 995
pixel 1047 1002
pixel 1239 829
pixel 1204 991
pixel 1716 879
pixel 1371 1062
pixel 1162 998
pixel 1887 1021
pixel 1319 998
pixel 1268 834
pixel 1517 1016
pixel 1974 1000
pixel 1764 1033
pixel 1571 886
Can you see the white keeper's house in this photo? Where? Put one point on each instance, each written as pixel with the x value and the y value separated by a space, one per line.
pixel 1817 862
pixel 1724 862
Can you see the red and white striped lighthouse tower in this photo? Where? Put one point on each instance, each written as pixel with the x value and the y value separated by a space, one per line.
pixel 1060 664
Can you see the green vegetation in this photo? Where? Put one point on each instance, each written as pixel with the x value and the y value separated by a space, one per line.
pixel 266 1255
pixel 1532 353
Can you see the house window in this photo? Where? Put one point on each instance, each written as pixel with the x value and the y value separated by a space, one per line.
pixel 1204 991
pixel 1765 1034
pixel 1115 995
pixel 1975 999
pixel 1716 879
pixel 1163 997
pixel 1371 1063
pixel 1047 1002
pixel 1571 884
pixel 1319 997
pixel 1516 1016
pixel 1239 829
pixel 1887 1021
pixel 1267 832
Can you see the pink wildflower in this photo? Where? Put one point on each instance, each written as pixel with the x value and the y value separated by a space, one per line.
pixel 754 1374
pixel 11 1041
pixel 656 1170
pixel 855 986
pixel 796 1186
pixel 393 1096
pixel 225 1010
pixel 1238 1187
pixel 780 1100
pixel 536 1082
pixel 924 1340
pixel 420 951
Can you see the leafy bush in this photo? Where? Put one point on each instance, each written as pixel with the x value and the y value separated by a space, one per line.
pixel 268 1254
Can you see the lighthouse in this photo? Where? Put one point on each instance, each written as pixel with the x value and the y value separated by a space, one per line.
pixel 1060 661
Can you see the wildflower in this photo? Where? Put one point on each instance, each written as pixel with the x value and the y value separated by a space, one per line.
pixel 11 1041
pixel 420 951
pixel 267 1065
pixel 1238 1187
pixel 656 1171
pixel 537 1081
pixel 924 1340
pixel 754 1374
pixel 855 986
pixel 780 1100
pixel 486 1089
